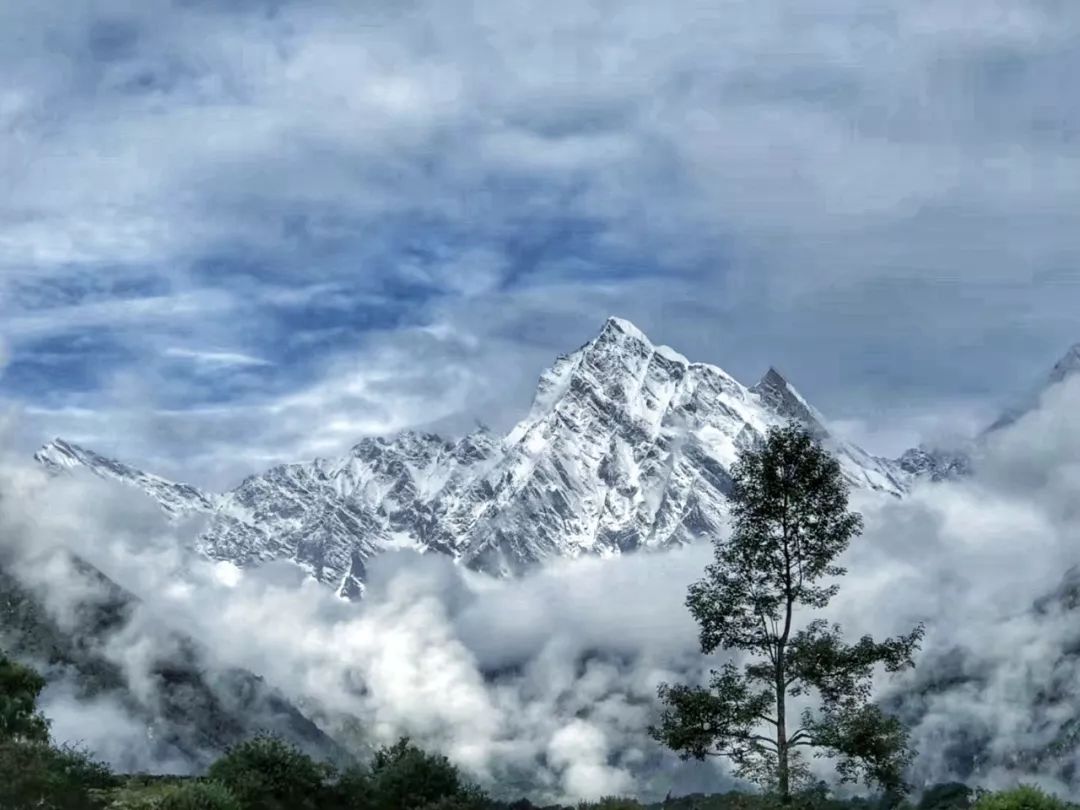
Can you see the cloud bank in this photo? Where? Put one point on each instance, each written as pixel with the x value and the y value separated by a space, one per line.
pixel 545 685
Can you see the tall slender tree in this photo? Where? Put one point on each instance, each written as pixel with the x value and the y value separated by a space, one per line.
pixel 790 522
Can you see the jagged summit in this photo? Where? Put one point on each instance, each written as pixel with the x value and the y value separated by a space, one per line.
pixel 781 396
pixel 627 446
pixel 1064 368
pixel 1068 365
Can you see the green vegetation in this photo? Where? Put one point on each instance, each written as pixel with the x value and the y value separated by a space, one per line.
pixel 1024 797
pixel 266 772
pixel 790 521
pixel 33 772
pixel 19 689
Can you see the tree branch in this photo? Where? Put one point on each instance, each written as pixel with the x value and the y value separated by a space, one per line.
pixel 799 736
pixel 760 739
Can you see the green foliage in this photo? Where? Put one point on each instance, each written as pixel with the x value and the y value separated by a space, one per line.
pixel 790 522
pixel 172 794
pixel 199 796
pixel 36 774
pixel 269 774
pixel 352 791
pixel 463 801
pixel 1024 797
pixel 612 803
pixel 946 796
pixel 405 777
pixel 19 690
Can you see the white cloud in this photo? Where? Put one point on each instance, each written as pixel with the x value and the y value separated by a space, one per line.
pixel 215 358
pixel 545 684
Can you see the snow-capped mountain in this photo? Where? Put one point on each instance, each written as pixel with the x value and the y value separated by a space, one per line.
pixel 627 446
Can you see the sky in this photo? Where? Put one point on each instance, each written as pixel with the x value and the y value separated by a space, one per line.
pixel 236 233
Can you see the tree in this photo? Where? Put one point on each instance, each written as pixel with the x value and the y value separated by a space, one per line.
pixel 36 774
pixel 19 689
pixel 790 521
pixel 267 773
pixel 405 777
pixel 947 796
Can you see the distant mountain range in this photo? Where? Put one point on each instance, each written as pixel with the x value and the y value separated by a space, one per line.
pixel 627 446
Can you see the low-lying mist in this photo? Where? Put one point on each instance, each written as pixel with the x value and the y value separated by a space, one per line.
pixel 545 686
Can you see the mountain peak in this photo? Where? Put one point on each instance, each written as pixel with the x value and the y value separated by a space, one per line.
pixel 58 455
pixel 781 398
pixel 627 446
pixel 618 331
pixel 774 378
pixel 1068 365
pixel 624 327
pixel 1063 369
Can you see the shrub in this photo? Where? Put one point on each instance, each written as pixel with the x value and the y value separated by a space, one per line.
pixel 612 803
pixel 353 789
pixel 269 774
pixel 466 800
pixel 946 796
pixel 1024 797
pixel 36 774
pixel 199 796
pixel 404 777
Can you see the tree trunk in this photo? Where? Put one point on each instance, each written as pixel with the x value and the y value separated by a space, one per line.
pixel 782 775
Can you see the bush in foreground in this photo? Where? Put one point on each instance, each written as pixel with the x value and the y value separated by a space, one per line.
pixel 1024 797
pixel 269 774
pixel 199 796
pixel 405 777
pixel 37 774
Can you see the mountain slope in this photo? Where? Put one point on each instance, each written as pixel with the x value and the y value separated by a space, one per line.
pixel 627 446
pixel 191 709
pixel 1064 368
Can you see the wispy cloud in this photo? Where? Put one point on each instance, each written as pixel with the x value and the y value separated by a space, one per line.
pixel 215 359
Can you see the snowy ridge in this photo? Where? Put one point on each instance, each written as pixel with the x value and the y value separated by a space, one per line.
pixel 1067 366
pixel 627 446
pixel 176 499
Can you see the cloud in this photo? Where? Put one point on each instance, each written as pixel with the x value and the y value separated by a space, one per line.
pixel 215 358
pixel 545 685
pixel 283 180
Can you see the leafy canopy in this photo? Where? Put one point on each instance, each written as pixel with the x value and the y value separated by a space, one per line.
pixel 19 690
pixel 267 772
